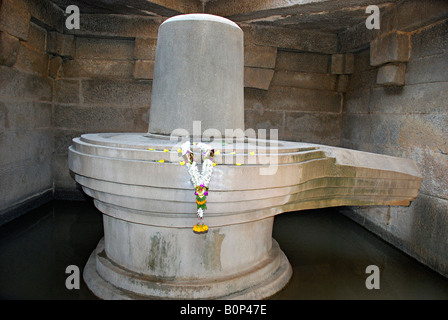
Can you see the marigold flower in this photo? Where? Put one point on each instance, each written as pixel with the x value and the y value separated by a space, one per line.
pixel 200 228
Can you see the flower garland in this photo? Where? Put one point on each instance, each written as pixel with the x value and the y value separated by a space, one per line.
pixel 199 180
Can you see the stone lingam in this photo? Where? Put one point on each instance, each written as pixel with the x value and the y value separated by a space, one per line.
pixel 138 182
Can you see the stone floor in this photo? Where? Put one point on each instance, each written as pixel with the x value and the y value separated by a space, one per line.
pixel 328 252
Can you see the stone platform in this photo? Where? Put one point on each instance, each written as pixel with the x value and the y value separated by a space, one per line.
pixel 149 249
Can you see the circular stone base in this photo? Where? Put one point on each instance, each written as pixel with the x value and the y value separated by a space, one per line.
pixel 260 282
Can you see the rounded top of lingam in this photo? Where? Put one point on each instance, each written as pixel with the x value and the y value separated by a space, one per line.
pixel 198 83
pixel 201 17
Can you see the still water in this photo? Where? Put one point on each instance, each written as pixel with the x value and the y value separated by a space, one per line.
pixel 329 254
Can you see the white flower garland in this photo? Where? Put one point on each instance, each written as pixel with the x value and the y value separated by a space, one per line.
pixel 199 179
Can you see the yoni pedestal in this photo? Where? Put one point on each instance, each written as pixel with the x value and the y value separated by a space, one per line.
pixel 149 249
pixel 138 261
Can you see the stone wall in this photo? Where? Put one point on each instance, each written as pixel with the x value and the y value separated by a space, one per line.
pixel 26 133
pixel 104 86
pixel 301 102
pixel 410 121
pixel 291 84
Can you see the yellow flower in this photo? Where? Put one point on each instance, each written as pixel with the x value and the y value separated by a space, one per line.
pixel 233 152
pixel 182 163
pixel 238 164
pixel 150 149
pixel 200 228
pixel 218 152
pixel 166 150
pixel 252 153
pixel 214 164
pixel 179 150
pixel 161 161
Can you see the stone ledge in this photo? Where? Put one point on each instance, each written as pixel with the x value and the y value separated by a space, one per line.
pixel 391 47
pixel 20 208
pixel 391 74
pixel 258 78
